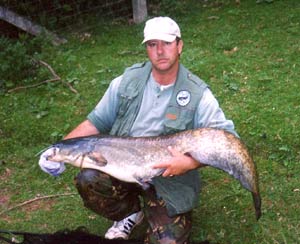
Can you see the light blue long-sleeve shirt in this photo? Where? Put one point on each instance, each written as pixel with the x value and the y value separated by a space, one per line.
pixel 149 121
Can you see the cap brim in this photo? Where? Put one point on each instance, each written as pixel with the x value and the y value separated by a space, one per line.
pixel 159 36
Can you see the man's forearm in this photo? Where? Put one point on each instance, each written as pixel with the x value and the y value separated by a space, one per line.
pixel 86 128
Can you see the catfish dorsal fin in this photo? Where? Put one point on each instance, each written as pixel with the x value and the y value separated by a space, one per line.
pixel 97 158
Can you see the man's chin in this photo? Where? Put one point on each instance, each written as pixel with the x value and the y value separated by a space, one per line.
pixel 162 66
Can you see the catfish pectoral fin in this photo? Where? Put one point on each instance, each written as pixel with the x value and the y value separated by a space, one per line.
pixel 98 159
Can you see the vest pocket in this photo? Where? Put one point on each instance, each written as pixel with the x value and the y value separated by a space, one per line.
pixel 178 119
pixel 126 115
pixel 124 104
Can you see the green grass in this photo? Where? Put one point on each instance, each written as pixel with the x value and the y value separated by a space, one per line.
pixel 247 53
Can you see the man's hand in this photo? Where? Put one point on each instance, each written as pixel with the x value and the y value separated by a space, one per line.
pixel 178 164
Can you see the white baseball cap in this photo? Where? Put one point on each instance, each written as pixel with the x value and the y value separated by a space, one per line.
pixel 161 28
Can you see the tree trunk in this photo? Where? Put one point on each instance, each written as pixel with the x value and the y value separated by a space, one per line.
pixel 139 10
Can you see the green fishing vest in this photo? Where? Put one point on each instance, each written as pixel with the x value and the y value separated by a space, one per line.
pixel 181 193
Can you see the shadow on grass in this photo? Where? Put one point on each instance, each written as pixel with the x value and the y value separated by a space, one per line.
pixel 78 236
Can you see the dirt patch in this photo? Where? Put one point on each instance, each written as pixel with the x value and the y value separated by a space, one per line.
pixel 43 204
pixel 5 174
pixel 7 219
pixel 4 200
pixel 27 206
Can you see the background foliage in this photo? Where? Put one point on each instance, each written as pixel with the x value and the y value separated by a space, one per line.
pixel 59 14
pixel 247 52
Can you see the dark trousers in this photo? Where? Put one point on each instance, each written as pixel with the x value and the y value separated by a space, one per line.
pixel 116 200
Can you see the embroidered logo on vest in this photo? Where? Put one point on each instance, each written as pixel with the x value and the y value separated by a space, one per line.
pixel 183 98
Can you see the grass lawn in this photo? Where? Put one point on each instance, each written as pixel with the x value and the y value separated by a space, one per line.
pixel 249 55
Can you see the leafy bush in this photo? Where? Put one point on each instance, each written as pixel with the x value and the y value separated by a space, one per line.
pixel 16 58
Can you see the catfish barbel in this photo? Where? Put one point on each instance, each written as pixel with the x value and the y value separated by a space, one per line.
pixel 131 159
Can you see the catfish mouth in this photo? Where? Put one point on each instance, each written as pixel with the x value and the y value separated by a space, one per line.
pixel 53 156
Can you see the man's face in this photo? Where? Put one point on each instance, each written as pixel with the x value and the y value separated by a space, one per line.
pixel 164 55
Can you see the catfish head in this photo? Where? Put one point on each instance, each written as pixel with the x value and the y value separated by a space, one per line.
pixel 79 152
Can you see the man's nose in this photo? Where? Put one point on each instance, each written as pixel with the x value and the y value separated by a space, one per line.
pixel 160 48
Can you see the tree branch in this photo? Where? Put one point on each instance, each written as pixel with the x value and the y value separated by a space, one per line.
pixel 55 78
pixel 35 199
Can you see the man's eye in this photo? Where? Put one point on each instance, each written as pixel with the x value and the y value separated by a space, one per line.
pixel 151 44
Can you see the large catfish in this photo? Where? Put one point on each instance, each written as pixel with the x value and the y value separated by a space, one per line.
pixel 131 159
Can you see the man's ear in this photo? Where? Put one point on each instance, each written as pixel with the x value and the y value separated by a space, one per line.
pixel 180 47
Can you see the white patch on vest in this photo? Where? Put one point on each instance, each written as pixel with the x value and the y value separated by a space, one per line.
pixel 183 98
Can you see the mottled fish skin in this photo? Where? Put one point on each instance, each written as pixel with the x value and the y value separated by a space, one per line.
pixel 131 158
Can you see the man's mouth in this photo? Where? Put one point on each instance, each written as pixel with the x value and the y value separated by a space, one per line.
pixel 162 60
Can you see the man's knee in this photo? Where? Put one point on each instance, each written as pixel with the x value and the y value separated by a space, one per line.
pixel 105 195
pixel 86 176
pixel 89 179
